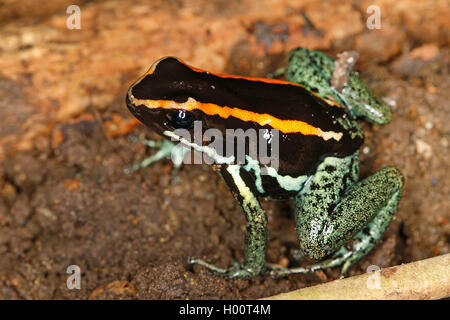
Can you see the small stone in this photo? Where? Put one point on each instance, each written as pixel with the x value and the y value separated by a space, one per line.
pixel 434 181
pixel 284 262
pixel 424 149
pixel 115 289
pixel 366 150
pixel 391 102
pixel 321 275
pixel 426 52
pixel 432 89
pixel 413 113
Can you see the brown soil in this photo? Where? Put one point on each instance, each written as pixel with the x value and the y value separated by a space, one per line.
pixel 65 200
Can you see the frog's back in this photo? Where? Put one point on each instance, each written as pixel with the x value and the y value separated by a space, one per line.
pixel 309 127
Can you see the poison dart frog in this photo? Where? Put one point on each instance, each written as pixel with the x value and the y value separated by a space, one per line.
pixel 339 218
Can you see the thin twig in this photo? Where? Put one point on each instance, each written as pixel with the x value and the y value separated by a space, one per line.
pixel 343 65
pixel 425 279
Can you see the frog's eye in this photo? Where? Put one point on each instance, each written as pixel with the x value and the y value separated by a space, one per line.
pixel 181 119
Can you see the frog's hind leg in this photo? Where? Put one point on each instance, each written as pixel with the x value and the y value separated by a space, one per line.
pixel 330 214
pixel 360 246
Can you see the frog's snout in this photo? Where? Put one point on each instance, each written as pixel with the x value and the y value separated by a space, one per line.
pixel 132 103
pixel 129 102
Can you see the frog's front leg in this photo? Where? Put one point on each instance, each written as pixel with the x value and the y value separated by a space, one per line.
pixel 333 209
pixel 240 183
pixel 164 148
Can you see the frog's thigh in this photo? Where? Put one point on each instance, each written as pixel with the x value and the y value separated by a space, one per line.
pixel 323 228
pixel 366 239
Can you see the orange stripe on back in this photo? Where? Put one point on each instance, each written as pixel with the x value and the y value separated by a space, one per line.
pixel 285 126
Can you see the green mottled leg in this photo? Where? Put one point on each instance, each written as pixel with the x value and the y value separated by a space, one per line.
pixel 361 244
pixel 366 239
pixel 363 213
pixel 314 70
pixel 256 227
pixel 165 148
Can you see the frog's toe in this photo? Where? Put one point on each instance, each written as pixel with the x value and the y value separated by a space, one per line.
pixel 340 257
pixel 278 272
pixel 240 273
pixel 234 272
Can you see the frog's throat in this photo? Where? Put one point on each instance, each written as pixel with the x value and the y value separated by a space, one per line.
pixel 287 182
pixel 210 152
pixel 285 126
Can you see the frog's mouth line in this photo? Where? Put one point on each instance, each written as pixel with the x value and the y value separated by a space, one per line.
pixel 211 152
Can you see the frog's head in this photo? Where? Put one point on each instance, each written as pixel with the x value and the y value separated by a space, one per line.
pixel 179 101
pixel 161 97
pixel 173 95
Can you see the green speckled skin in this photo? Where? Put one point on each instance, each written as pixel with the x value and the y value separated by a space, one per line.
pixel 332 205
pixel 314 69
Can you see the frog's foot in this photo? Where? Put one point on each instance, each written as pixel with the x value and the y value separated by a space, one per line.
pixel 336 260
pixel 236 271
pixel 164 149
